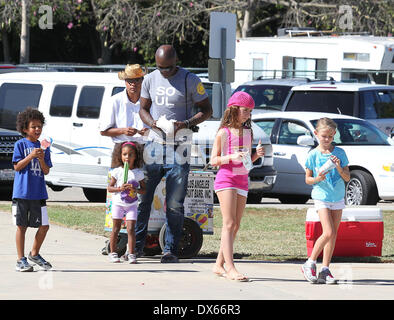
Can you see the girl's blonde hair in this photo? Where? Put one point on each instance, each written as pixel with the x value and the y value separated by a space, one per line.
pixel 326 123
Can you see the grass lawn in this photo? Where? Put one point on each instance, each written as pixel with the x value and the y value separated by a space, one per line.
pixel 265 234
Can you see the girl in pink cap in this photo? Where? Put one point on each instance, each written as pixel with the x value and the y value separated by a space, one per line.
pixel 231 148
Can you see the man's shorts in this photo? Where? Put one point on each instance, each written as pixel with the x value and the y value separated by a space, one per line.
pixel 329 205
pixel 29 213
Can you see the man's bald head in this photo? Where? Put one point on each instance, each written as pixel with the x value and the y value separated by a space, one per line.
pixel 166 59
pixel 166 52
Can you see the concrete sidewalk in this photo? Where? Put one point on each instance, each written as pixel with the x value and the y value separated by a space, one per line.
pixel 81 272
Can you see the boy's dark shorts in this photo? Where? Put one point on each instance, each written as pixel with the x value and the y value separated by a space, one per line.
pixel 29 213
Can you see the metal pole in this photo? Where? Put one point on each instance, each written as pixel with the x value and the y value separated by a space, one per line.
pixel 223 64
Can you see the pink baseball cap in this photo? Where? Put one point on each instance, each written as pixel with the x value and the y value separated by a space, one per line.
pixel 241 99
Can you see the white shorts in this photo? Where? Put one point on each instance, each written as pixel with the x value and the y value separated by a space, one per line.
pixel 339 205
pixel 118 212
pixel 241 192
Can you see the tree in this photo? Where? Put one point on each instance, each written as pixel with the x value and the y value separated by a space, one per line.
pixel 25 33
pixel 138 27
pixel 371 16
pixel 20 15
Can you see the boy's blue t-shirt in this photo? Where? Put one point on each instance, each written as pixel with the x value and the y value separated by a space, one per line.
pixel 29 183
pixel 332 189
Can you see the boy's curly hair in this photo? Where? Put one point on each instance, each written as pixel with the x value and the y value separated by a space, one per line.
pixel 23 119
pixel 117 154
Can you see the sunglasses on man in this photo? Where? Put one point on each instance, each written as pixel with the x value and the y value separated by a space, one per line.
pixel 165 69
pixel 136 80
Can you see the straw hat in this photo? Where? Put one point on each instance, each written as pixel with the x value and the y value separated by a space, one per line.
pixel 132 71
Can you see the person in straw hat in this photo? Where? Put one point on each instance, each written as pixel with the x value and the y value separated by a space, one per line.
pixel 123 122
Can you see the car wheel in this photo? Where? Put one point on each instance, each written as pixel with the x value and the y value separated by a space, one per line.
pixel 152 245
pixel 95 195
pixel 121 245
pixel 191 239
pixel 293 199
pixel 254 198
pixel 361 189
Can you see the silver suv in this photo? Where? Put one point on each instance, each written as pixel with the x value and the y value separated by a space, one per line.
pixel 270 94
pixel 374 103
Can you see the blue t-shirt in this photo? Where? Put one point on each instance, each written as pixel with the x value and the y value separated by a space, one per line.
pixel 29 183
pixel 332 189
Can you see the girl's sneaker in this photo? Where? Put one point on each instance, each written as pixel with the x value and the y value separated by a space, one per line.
pixel 23 266
pixel 113 257
pixel 132 258
pixel 309 271
pixel 325 276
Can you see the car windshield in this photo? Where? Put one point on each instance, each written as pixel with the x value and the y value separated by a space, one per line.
pixel 357 132
pixel 340 102
pixel 266 96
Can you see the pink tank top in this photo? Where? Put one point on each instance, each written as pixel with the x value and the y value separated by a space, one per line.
pixel 234 174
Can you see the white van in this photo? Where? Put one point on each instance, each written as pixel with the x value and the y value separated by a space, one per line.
pixel 73 104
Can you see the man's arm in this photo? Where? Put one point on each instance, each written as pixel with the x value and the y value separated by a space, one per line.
pixel 145 115
pixel 114 132
pixel 205 113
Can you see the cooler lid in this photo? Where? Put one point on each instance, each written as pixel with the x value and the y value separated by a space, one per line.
pixel 351 214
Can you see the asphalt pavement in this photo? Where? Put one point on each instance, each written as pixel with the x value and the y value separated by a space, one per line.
pixel 81 272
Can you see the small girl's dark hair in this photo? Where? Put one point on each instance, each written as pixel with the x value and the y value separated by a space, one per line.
pixel 117 154
pixel 23 119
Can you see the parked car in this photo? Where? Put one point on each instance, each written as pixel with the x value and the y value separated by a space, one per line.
pixel 374 103
pixel 73 104
pixel 7 141
pixel 369 150
pixel 270 94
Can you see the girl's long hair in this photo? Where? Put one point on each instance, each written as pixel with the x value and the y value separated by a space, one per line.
pixel 230 120
pixel 117 155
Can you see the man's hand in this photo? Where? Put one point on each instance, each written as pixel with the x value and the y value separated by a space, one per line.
pixel 130 131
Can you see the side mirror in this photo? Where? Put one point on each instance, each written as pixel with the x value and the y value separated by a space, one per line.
pixel 306 141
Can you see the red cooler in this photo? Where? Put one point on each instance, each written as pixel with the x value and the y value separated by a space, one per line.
pixel 360 233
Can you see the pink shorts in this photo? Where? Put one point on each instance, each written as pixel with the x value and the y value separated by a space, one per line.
pixel 118 212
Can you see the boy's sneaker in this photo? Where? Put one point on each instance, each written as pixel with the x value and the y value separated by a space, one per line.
pixel 113 257
pixel 40 261
pixel 309 271
pixel 325 276
pixel 132 258
pixel 23 266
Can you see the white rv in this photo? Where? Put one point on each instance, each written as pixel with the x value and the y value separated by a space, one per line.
pixel 318 57
pixel 73 104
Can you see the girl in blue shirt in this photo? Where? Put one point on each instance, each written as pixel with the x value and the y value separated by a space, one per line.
pixel 328 194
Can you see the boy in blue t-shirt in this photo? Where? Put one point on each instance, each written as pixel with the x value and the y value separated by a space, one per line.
pixel 31 162
pixel 328 195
